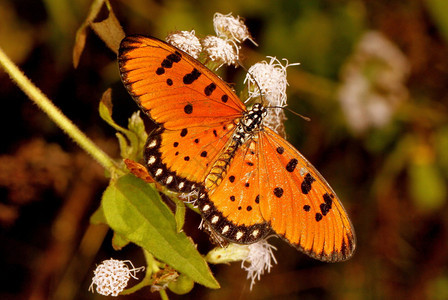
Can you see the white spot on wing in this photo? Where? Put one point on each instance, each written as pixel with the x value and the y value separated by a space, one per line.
pixel 169 179
pixel 225 229
pixel 152 144
pixel 214 219
pixel 239 235
pixel 159 172
pixel 151 160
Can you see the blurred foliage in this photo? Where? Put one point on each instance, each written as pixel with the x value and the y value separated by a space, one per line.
pixel 391 178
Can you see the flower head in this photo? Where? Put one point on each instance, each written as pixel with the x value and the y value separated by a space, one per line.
pixel 268 80
pixel 221 51
pixel 229 27
pixel 255 258
pixel 112 276
pixel 185 41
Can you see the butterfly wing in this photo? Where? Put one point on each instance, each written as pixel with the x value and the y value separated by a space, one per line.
pixel 271 185
pixel 173 88
pixel 195 110
pixel 232 208
pixel 300 204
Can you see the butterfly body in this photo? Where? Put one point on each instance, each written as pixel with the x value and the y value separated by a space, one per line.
pixel 250 123
pixel 249 179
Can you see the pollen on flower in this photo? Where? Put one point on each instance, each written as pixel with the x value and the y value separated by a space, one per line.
pixel 268 80
pixel 229 27
pixel 186 41
pixel 112 276
pixel 223 52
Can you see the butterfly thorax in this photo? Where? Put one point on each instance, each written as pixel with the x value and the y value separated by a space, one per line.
pixel 245 130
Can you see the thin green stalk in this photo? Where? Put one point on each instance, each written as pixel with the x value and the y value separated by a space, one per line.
pixel 56 115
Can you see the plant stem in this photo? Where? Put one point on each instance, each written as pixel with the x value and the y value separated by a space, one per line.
pixel 56 115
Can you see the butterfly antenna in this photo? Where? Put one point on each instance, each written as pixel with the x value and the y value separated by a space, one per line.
pixel 290 110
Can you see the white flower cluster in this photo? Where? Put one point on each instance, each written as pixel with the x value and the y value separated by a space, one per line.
pixel 223 49
pixel 268 80
pixel 112 276
pixel 186 41
pixel 260 259
pixel 373 83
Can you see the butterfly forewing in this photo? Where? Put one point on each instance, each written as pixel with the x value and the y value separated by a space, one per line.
pixel 299 203
pixel 173 88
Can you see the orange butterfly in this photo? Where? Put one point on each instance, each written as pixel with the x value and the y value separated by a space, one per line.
pixel 250 180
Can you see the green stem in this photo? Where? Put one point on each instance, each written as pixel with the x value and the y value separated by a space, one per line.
pixel 56 115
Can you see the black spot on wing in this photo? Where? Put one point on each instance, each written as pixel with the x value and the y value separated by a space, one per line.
pixel 280 150
pixel 278 192
pixel 209 89
pixel 306 183
pixel 183 132
pixel 328 200
pixel 291 166
pixel 224 98
pixel 188 109
pixel 191 77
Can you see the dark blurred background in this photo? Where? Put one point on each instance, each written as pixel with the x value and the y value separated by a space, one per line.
pixel 373 78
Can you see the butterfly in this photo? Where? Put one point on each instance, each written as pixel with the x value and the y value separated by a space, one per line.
pixel 250 181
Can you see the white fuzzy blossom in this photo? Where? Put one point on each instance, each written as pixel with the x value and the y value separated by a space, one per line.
pixel 223 52
pixel 186 41
pixel 112 276
pixel 259 260
pixel 255 258
pixel 373 82
pixel 229 27
pixel 268 81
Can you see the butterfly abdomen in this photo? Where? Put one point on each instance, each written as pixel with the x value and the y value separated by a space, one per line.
pixel 219 169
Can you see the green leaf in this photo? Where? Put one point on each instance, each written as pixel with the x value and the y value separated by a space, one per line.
pixel 131 140
pixel 98 216
pixel 135 210
pixel 119 242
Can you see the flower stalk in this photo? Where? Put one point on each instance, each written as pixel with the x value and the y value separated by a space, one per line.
pixel 56 115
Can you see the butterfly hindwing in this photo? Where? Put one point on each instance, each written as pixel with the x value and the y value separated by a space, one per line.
pixel 180 159
pixel 173 88
pixel 232 208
